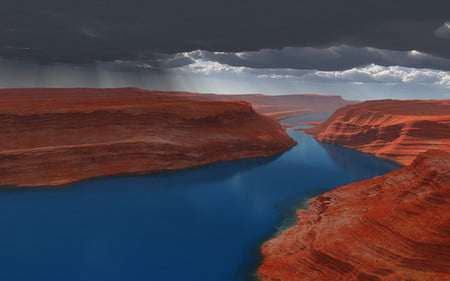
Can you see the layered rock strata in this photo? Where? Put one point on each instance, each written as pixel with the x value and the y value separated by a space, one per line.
pixel 393 227
pixel 59 136
pixel 391 129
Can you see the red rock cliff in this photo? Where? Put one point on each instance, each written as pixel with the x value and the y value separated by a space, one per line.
pixel 392 227
pixel 58 136
pixel 391 129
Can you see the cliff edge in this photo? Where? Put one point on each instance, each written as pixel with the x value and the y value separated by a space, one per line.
pixel 397 130
pixel 58 136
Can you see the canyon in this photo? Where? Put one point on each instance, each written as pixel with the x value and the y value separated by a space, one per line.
pixel 397 130
pixel 111 228
pixel 391 227
pixel 59 136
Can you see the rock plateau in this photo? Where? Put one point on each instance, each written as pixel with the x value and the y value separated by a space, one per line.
pixel 59 136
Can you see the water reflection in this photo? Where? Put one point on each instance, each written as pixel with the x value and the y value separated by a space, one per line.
pixel 345 159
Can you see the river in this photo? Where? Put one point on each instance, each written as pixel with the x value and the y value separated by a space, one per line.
pixel 200 224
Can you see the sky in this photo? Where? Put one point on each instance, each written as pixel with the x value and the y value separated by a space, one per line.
pixel 363 49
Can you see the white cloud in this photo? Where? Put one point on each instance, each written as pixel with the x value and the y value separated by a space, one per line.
pixel 391 74
pixel 358 75
pixel 276 76
pixel 333 58
pixel 446 81
pixel 208 67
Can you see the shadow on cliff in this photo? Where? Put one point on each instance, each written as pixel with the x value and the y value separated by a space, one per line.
pixel 204 174
pixel 216 171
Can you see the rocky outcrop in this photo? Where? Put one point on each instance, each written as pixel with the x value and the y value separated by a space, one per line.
pixel 392 227
pixel 391 129
pixel 58 136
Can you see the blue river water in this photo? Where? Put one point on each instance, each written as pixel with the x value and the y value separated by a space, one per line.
pixel 202 224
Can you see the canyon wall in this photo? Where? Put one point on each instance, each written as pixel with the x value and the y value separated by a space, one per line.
pixel 392 227
pixel 58 136
pixel 391 129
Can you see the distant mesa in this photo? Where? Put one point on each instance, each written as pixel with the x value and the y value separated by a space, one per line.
pixel 284 106
pixel 59 136
pixel 392 129
pixel 392 227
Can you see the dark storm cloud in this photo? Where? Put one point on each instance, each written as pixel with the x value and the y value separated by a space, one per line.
pixel 332 58
pixel 159 62
pixel 443 31
pixel 80 31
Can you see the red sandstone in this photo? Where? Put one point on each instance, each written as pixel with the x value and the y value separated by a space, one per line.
pixel 392 227
pixel 391 129
pixel 58 136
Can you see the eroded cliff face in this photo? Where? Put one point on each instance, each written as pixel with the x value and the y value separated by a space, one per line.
pixel 391 129
pixel 392 227
pixel 58 136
